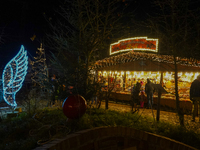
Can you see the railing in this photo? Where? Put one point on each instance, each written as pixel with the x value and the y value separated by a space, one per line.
pixel 110 138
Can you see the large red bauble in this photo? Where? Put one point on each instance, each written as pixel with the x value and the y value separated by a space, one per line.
pixel 74 106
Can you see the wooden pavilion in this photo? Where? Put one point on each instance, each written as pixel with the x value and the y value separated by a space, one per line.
pixel 136 61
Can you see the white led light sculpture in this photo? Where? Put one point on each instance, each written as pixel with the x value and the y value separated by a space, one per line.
pixel 13 76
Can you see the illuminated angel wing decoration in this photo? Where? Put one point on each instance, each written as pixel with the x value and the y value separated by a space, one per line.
pixel 13 76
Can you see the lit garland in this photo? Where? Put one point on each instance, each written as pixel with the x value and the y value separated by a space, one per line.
pixel 13 76
pixel 133 56
pixel 144 43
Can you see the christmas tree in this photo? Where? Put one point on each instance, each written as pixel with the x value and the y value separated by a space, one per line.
pixel 40 76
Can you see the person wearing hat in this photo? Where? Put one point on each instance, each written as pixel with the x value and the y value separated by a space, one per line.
pixel 195 97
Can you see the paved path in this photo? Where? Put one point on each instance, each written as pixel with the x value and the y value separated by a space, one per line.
pixel 165 116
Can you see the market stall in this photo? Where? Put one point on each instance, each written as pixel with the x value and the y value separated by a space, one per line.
pixel 124 70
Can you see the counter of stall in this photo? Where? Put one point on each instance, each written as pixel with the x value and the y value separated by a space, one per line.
pixel 123 82
pixel 167 100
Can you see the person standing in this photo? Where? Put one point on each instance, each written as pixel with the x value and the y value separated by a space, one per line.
pixel 195 97
pixel 142 97
pixel 149 91
pixel 135 98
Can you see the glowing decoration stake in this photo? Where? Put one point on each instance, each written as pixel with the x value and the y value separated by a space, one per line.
pixel 13 76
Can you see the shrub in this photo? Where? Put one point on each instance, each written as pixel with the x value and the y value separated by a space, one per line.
pixel 25 132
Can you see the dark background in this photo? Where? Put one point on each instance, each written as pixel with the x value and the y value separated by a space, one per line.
pixel 22 19
pixel 19 21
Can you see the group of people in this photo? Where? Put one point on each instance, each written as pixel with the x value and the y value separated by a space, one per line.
pixel 138 96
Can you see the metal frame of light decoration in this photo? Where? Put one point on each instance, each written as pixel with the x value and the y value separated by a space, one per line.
pixel 13 76
pixel 134 38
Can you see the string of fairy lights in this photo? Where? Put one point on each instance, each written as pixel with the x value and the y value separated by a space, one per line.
pixel 39 67
pixel 133 56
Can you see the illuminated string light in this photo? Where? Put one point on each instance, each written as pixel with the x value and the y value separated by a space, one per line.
pixel 133 56
pixel 13 76
pixel 135 47
pixel 196 74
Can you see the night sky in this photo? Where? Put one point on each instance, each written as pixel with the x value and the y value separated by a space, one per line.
pixel 21 19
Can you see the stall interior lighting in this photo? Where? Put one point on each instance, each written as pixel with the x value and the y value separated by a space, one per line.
pixel 196 74
pixel 180 74
pixel 186 76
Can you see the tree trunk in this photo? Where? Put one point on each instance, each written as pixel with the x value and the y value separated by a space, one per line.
pixel 174 50
pixel 180 113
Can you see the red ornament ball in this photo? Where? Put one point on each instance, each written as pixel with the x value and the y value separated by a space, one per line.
pixel 74 106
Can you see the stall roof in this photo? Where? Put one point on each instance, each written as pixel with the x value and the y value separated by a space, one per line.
pixel 141 61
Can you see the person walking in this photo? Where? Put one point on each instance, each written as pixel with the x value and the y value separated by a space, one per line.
pixel 195 97
pixel 149 91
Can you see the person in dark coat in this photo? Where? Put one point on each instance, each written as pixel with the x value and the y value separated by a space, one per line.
pixel 135 98
pixel 195 97
pixel 149 91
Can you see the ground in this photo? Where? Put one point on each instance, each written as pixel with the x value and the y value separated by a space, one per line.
pixel 165 116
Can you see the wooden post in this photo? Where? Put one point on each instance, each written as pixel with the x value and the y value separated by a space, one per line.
pixel 161 79
pixel 160 90
pixel 158 105
pixel 124 81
